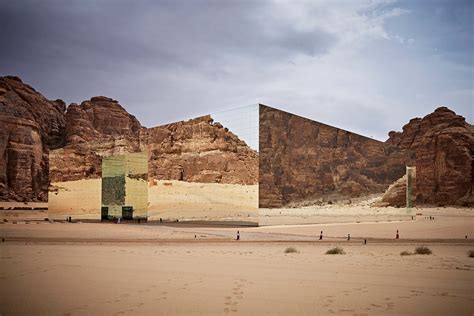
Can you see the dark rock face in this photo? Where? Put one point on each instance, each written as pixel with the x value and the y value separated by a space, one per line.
pixel 302 160
pixel 441 146
pixel 31 126
pixel 199 150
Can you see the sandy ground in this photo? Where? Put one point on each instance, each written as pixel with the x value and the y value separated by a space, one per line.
pixel 182 200
pixel 94 268
pixel 79 199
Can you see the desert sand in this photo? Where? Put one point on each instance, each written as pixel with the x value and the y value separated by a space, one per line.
pixel 65 268
pixel 79 199
pixel 182 200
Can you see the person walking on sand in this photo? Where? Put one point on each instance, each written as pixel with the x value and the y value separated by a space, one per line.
pixel 397 236
pixel 238 235
pixel 321 236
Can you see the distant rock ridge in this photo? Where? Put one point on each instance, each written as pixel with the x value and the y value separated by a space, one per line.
pixel 440 145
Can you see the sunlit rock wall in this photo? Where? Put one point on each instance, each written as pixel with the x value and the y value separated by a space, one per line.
pixel 302 161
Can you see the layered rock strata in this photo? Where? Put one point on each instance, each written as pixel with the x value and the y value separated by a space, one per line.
pixel 441 146
pixel 301 159
pixel 31 126
pixel 199 150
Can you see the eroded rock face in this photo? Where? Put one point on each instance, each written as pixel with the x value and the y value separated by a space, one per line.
pixel 96 128
pixel 199 150
pixel 99 118
pixel 441 146
pixel 303 160
pixel 31 126
pixel 299 158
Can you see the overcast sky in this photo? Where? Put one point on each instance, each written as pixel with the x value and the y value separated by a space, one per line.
pixel 365 66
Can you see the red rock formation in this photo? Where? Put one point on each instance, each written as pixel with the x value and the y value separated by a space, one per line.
pixel 441 146
pixel 199 150
pixel 295 152
pixel 31 125
pixel 99 118
pixel 303 160
pixel 98 127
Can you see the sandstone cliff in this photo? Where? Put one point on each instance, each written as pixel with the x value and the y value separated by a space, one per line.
pixel 303 160
pixel 441 146
pixel 95 128
pixel 31 126
pixel 199 150
pixel 299 158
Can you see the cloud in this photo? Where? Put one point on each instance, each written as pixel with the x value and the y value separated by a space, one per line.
pixel 339 62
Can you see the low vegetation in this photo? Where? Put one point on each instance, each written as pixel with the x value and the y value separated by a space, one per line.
pixel 335 251
pixel 405 253
pixel 470 253
pixel 291 250
pixel 422 250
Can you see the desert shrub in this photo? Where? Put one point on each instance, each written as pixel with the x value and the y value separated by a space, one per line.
pixel 422 250
pixel 335 251
pixel 291 250
pixel 405 253
pixel 470 253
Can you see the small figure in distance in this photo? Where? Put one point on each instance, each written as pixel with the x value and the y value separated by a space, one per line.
pixel 161 220
pixel 238 235
pixel 397 236
pixel 321 236
pixel 348 236
pixel 365 241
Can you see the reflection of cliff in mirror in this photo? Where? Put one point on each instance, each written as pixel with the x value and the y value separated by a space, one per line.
pixel 205 168
pixel 242 121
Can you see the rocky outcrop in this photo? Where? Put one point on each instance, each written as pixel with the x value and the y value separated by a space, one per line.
pixel 96 128
pixel 199 150
pixel 441 146
pixel 31 126
pixel 396 193
pixel 97 119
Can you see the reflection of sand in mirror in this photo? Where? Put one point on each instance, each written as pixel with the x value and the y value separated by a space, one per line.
pixel 80 199
pixel 202 201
